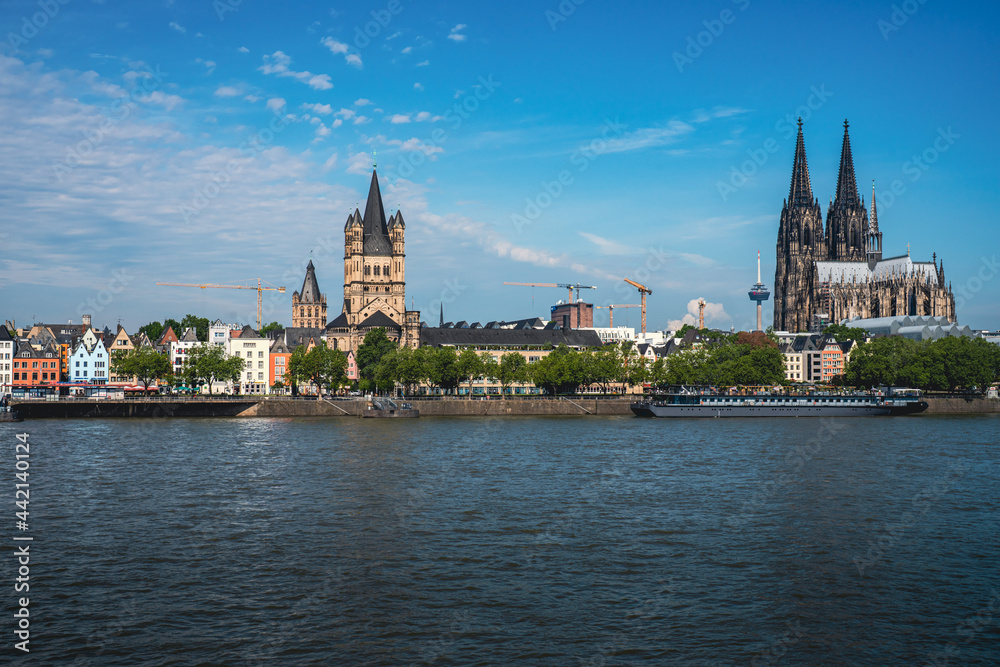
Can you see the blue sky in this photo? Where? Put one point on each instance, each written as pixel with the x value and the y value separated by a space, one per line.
pixel 221 142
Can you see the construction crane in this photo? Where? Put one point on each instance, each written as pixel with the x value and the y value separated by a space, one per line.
pixel 701 313
pixel 565 286
pixel 643 293
pixel 260 291
pixel 611 311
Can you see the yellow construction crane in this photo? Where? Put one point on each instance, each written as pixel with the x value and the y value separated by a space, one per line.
pixel 565 286
pixel 260 291
pixel 611 311
pixel 643 293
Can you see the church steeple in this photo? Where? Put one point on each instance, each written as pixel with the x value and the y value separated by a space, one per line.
pixel 376 232
pixel 847 184
pixel 800 193
pixel 873 241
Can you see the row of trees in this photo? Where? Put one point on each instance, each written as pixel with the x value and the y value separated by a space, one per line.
pixel 205 364
pixel 943 365
pixel 730 360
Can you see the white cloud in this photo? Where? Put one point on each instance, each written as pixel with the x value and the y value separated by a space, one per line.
pixel 455 34
pixel 362 102
pixel 209 64
pixel 337 122
pixel 424 63
pixel 346 114
pixel 278 63
pixel 418 86
pixel 415 144
pixel 331 162
pixel 334 46
pixel 609 247
pixel 648 137
pixel 340 48
pixel 178 27
pixel 715 314
pixel 276 104
pixel 243 49
pixel 321 109
pixel 359 163
pixel 253 99
pixel 399 119
pixel 362 120
pixel 322 132
pixel 407 51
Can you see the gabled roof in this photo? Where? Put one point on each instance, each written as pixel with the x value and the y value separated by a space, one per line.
pixel 279 347
pixel 5 335
pixel 376 232
pixel 189 336
pixel 379 320
pixel 168 336
pixel 296 336
pixel 248 332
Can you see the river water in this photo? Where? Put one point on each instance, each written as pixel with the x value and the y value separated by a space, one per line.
pixel 514 541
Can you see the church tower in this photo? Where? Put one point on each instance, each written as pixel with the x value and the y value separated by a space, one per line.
pixel 309 305
pixel 846 220
pixel 800 243
pixel 374 278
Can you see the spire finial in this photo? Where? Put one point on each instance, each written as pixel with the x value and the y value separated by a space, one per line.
pixel 907 249
pixel 800 122
pixel 846 124
pixel 374 159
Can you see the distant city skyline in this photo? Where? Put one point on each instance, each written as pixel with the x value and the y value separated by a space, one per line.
pixel 524 142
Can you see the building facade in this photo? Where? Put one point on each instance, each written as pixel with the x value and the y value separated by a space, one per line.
pixel 7 352
pixel 374 279
pixel 89 361
pixel 827 275
pixel 253 349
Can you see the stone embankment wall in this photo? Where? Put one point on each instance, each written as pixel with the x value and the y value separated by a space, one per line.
pixel 446 408
pixel 957 406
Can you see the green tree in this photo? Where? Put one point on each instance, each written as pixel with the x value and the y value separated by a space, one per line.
pixel 199 324
pixel 153 330
pixel 145 364
pixel 207 364
pixel 375 346
pixel 843 332
pixel 268 328
pixel 403 366
pixel 468 367
pixel 511 369
pixel 558 372
pixel 170 322
pixel 442 367
pixel 490 367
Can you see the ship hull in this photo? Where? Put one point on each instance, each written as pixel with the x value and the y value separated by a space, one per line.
pixel 648 409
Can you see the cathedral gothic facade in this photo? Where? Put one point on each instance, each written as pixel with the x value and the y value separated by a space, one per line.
pixel 374 282
pixel 838 273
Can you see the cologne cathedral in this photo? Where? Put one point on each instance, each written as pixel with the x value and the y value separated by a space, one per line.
pixel 838 273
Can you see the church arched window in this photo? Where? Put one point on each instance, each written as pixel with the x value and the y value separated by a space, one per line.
pixel 368 270
pixel 302 312
pixel 385 271
pixel 376 270
pixel 310 311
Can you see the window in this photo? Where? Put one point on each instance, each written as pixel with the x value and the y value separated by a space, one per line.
pixel 17 376
pixel 260 354
pixel 260 376
pixel 34 364
pixel 260 364
pixel 249 355
pixel 34 376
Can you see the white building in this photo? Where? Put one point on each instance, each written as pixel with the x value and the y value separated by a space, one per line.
pixel 219 333
pixel 89 361
pixel 253 349
pixel 613 335
pixel 7 352
pixel 181 348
